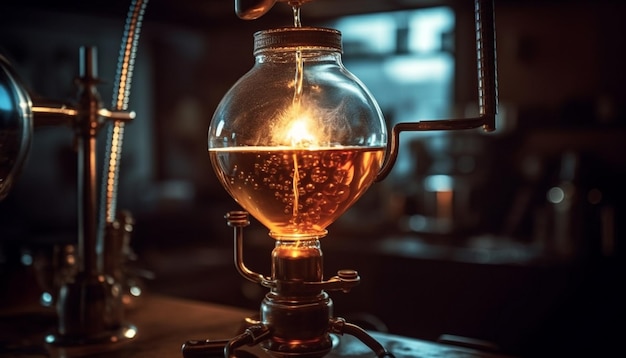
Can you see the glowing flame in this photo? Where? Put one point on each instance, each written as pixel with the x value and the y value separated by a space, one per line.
pixel 299 134
pixel 297 128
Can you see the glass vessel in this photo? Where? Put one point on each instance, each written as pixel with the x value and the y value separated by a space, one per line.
pixel 16 126
pixel 298 139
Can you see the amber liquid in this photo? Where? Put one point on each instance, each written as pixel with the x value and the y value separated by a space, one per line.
pixel 296 193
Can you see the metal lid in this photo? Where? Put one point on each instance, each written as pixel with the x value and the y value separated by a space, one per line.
pixel 292 37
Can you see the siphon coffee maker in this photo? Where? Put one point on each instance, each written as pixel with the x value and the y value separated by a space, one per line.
pixel 296 141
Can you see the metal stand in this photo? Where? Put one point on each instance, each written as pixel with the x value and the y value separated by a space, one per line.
pixel 89 305
pixel 296 315
pixel 90 302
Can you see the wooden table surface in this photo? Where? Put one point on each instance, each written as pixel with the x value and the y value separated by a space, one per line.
pixel 165 323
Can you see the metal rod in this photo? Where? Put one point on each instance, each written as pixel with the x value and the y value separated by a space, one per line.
pixel 487 65
pixel 238 220
pixel 340 326
pixel 87 123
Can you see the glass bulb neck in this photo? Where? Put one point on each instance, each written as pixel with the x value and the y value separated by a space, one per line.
pixel 297 238
pixel 294 38
pixel 299 261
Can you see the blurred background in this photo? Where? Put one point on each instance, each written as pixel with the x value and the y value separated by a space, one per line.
pixel 514 237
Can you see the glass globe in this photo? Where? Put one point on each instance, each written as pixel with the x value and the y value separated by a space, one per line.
pixel 16 126
pixel 298 139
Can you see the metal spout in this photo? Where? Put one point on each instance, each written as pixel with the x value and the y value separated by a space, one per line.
pixel 253 9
